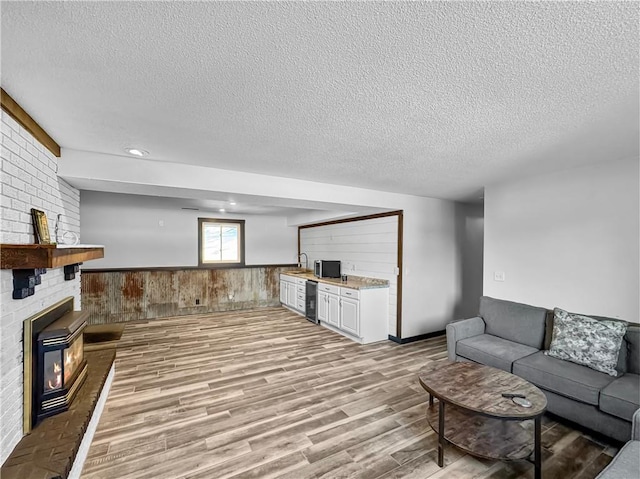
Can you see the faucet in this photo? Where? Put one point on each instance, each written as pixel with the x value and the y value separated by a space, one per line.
pixel 306 261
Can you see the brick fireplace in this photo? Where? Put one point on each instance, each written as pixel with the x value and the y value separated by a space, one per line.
pixel 28 180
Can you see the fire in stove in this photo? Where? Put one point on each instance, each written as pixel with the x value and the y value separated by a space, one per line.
pixel 54 378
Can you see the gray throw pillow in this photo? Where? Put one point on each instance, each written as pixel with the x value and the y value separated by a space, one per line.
pixel 583 340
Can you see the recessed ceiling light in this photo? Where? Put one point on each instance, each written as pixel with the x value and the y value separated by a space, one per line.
pixel 221 210
pixel 232 203
pixel 136 151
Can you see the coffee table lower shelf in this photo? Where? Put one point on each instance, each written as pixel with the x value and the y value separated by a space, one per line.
pixel 483 436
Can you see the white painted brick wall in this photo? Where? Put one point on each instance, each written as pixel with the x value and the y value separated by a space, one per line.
pixel 28 180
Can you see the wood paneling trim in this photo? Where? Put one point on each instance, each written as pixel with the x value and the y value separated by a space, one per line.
pixel 239 224
pixel 351 220
pixel 400 215
pixel 16 112
pixel 183 268
pixel 400 268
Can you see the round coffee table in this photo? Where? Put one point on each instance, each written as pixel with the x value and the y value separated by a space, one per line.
pixel 477 419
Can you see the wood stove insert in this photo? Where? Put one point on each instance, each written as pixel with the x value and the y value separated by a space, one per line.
pixel 54 363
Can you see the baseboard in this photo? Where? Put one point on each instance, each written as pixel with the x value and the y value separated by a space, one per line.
pixel 420 337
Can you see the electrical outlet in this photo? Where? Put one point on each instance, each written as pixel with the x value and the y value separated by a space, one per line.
pixel 230 296
pixel 161 223
pixel 498 276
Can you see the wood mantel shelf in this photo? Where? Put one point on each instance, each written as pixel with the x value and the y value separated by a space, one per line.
pixel 30 256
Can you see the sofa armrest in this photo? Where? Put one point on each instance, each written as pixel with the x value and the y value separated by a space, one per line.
pixel 635 426
pixel 462 329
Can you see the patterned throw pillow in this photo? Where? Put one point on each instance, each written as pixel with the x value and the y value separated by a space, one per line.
pixel 591 342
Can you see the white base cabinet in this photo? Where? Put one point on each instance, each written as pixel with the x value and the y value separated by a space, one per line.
pixel 361 315
pixel 328 307
pixel 293 293
pixel 350 316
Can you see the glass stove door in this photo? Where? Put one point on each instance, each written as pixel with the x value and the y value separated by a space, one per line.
pixel 73 356
pixel 52 371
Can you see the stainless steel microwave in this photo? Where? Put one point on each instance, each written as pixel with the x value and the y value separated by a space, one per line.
pixel 327 269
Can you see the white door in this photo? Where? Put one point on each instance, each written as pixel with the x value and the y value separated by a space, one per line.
pixel 292 295
pixel 283 292
pixel 333 315
pixel 350 316
pixel 323 306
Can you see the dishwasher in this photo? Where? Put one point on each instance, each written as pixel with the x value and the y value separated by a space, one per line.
pixel 311 301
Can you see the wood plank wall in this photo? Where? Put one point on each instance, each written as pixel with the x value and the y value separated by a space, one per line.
pixel 370 246
pixel 129 295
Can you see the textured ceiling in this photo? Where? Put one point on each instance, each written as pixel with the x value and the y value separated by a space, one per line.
pixel 428 98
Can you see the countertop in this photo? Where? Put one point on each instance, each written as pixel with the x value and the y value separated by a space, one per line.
pixel 353 282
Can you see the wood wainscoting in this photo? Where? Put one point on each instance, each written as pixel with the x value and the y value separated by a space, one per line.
pixel 114 296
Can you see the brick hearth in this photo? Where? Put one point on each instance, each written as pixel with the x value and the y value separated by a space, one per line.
pixel 49 450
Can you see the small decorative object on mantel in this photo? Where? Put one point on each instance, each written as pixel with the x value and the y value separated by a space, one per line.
pixel 40 226
pixel 65 237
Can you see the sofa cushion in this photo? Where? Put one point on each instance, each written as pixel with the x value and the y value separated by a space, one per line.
pixel 632 339
pixel 591 342
pixel 548 329
pixel 622 397
pixel 493 351
pixel 563 377
pixel 516 322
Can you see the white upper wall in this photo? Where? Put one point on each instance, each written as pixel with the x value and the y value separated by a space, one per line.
pixel 568 239
pixel 136 232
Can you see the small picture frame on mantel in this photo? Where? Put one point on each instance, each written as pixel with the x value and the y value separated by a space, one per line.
pixel 40 226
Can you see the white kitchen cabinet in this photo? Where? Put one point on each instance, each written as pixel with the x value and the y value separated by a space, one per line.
pixel 350 316
pixel 329 304
pixel 292 292
pixel 359 314
pixel 322 311
pixel 283 291
pixel 291 295
pixel 333 310
pixel 301 295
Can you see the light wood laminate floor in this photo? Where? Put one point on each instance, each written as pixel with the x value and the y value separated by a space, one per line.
pixel 265 393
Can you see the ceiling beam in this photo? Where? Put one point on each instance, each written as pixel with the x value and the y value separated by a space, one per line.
pixel 16 112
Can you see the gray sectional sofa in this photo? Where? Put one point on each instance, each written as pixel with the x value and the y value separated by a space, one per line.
pixel 513 336
pixel 626 464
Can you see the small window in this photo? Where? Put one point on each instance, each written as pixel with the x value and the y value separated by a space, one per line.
pixel 220 242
